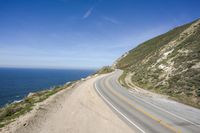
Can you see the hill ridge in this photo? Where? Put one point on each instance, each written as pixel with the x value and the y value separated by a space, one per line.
pixel 168 64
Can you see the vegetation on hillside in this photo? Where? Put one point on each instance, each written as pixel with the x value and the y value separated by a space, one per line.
pixel 168 64
pixel 104 70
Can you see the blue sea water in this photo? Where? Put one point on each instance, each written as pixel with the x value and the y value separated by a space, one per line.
pixel 16 83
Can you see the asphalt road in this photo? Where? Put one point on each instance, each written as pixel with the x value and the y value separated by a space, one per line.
pixel 144 113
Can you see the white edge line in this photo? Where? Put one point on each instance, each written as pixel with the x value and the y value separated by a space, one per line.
pixel 170 113
pixel 194 124
pixel 118 110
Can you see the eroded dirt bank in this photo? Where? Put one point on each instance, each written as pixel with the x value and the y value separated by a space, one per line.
pixel 75 110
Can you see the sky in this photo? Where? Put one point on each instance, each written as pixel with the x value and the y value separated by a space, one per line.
pixel 83 34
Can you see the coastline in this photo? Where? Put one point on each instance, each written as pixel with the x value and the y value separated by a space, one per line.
pixel 17 83
pixel 43 97
pixel 36 112
pixel 10 112
pixel 13 110
pixel 72 109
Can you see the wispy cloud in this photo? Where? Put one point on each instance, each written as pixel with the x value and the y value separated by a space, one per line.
pixel 110 19
pixel 88 13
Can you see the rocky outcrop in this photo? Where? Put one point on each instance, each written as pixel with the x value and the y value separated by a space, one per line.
pixel 169 63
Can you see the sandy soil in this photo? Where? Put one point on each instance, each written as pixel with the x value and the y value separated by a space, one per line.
pixel 73 110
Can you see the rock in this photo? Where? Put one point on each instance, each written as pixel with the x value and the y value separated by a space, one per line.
pixel 30 94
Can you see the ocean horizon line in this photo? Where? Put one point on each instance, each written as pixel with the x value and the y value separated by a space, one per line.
pixel 41 68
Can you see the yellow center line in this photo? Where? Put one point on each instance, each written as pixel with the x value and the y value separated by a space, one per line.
pixel 141 110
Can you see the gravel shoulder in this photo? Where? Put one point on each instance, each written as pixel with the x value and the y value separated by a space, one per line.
pixel 77 109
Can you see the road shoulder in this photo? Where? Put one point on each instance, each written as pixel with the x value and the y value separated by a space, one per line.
pixel 79 109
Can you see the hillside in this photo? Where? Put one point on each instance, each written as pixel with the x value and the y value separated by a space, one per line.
pixel 167 64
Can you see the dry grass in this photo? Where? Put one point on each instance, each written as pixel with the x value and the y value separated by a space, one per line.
pixel 11 111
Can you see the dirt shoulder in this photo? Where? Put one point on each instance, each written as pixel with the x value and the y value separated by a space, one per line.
pixel 73 110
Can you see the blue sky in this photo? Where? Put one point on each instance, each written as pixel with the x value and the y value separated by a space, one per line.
pixel 83 33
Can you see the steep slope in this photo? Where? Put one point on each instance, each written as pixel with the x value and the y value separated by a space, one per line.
pixel 168 64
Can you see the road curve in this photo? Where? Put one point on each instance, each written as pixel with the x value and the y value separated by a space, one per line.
pixel 147 114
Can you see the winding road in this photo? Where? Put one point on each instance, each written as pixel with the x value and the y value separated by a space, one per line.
pixel 144 113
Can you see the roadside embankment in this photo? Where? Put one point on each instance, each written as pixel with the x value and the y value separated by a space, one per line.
pixel 76 109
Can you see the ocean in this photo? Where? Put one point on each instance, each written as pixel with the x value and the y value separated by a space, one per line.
pixel 16 83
